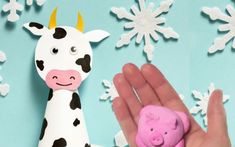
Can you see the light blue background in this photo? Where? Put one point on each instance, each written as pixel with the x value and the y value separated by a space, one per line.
pixel 184 62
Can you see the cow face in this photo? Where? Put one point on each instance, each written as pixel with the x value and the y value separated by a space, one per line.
pixel 63 55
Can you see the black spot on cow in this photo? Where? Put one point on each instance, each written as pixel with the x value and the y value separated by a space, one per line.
pixel 85 63
pixel 44 126
pixel 36 25
pixel 76 122
pixel 59 33
pixel 60 143
pixel 87 145
pixel 75 102
pixel 40 65
pixel 50 95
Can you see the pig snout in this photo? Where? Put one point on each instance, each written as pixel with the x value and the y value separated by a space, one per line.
pixel 157 139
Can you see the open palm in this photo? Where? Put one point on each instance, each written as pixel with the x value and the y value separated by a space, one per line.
pixel 153 89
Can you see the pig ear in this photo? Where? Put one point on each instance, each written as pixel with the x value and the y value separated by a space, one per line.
pixel 173 123
pixel 185 120
pixel 96 36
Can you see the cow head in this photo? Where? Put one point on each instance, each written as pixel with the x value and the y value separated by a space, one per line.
pixel 63 55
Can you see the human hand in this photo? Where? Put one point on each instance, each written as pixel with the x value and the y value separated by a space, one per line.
pixel 153 89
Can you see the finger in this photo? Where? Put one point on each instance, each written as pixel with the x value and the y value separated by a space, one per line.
pixel 126 92
pixel 217 124
pixel 125 120
pixel 167 95
pixel 163 89
pixel 143 89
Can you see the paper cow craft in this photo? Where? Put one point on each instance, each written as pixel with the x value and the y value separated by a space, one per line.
pixel 161 127
pixel 63 59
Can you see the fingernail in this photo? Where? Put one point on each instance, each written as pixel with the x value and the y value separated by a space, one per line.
pixel 128 68
pixel 218 93
pixel 118 78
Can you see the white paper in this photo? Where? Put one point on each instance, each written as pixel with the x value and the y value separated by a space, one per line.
pixel 228 27
pixel 73 55
pixel 60 118
pixel 145 23
pixel 13 7
pixel 202 101
pixel 110 92
pixel 4 88
pixel 120 140
pixel 3 57
pixel 39 2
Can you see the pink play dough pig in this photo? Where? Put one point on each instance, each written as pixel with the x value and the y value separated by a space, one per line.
pixel 161 127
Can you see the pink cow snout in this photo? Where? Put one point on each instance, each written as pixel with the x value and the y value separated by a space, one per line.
pixel 63 79
pixel 157 139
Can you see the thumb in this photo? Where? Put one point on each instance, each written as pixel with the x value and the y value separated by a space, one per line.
pixel 217 124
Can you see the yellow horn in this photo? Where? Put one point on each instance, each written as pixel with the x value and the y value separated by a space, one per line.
pixel 80 23
pixel 52 23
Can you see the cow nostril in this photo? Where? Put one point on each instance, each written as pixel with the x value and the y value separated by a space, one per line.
pixel 72 77
pixel 54 77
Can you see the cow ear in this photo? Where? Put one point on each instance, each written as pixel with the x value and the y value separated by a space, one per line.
pixel 96 35
pixel 36 29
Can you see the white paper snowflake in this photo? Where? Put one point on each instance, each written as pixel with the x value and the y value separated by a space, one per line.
pixel 3 57
pixel 202 102
pixel 145 23
pixel 120 140
pixel 229 26
pixel 181 97
pixel 13 6
pixel 39 2
pixel 4 88
pixel 111 91
pixel 110 94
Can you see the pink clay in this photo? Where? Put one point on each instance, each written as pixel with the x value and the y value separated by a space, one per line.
pixel 63 79
pixel 161 127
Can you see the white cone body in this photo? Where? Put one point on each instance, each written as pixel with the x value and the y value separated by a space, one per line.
pixel 60 118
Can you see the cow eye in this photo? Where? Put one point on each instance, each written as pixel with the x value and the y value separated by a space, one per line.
pixel 54 51
pixel 73 50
